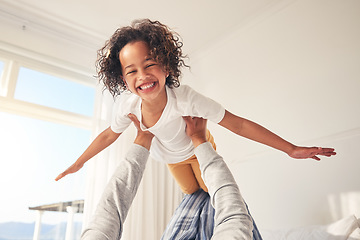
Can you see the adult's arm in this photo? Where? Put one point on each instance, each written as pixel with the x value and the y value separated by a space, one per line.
pixel 108 221
pixel 232 219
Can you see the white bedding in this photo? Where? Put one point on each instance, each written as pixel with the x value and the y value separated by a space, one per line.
pixel 347 228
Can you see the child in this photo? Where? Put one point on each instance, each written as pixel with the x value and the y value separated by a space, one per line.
pixel 140 65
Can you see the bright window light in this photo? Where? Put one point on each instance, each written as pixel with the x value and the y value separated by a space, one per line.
pixel 40 88
pixel 33 153
pixel 1 70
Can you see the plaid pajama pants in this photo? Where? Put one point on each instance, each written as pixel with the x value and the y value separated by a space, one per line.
pixel 194 219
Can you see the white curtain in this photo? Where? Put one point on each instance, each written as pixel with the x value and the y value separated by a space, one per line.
pixel 157 196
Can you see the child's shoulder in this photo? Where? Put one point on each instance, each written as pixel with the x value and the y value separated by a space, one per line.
pixel 185 95
pixel 126 101
pixel 183 90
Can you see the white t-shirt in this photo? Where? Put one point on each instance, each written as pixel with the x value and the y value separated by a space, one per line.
pixel 170 144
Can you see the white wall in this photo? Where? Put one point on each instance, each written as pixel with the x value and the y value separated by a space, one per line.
pixel 38 36
pixel 296 71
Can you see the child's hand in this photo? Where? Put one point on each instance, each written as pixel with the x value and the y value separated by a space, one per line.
pixel 72 169
pixel 311 152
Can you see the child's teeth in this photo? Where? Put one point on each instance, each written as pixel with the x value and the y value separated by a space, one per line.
pixel 147 86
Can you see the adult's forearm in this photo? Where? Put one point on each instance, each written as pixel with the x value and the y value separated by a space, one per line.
pixel 232 220
pixel 108 220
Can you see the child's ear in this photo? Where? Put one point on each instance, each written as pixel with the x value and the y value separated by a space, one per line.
pixel 126 85
pixel 124 81
pixel 122 78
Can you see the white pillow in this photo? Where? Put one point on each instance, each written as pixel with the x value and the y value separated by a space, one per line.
pixel 343 228
pixel 355 235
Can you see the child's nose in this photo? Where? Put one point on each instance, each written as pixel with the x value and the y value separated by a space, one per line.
pixel 142 75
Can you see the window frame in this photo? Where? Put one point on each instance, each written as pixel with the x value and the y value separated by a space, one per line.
pixel 13 61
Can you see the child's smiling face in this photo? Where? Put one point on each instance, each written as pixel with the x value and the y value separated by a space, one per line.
pixel 141 73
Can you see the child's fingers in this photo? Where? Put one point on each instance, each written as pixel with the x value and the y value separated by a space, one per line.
pixel 59 177
pixel 327 152
pixel 312 152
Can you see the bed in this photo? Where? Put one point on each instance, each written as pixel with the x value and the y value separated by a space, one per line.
pixel 347 228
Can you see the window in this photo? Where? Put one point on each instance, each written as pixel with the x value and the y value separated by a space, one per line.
pixel 1 67
pixel 45 124
pixel 44 89
pixel 33 153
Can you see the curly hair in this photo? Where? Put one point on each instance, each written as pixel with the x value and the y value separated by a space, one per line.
pixel 164 44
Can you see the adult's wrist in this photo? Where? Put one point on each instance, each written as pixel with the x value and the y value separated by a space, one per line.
pixel 144 140
pixel 198 140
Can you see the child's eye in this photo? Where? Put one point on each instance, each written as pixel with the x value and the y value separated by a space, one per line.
pixel 130 72
pixel 150 65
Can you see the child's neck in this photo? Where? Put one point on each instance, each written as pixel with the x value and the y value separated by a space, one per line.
pixel 151 110
pixel 153 107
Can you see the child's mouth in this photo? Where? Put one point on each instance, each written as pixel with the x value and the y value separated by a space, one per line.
pixel 146 86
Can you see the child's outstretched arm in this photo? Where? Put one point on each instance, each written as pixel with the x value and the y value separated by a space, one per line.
pixel 253 131
pixel 102 141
